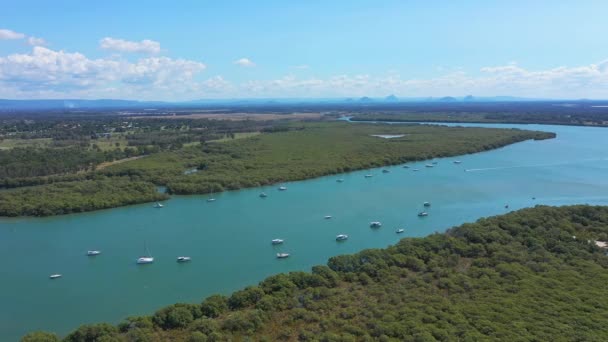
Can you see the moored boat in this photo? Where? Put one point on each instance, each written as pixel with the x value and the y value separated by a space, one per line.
pixel 158 205
pixel 375 224
pixel 55 276
pixel 282 188
pixel 427 204
pixel 423 214
pixel 457 162
pixel 183 259
pixel 277 241
pixel 263 195
pixel 399 230
pixel 145 260
pixel 327 217
pixel 368 176
pixel 282 255
pixel 341 237
pixel 93 253
pixel 429 165
pixel 340 180
pixel 386 171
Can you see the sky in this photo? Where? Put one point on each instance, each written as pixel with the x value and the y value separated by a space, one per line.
pixel 188 50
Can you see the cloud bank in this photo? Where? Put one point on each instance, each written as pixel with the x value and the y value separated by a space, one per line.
pixel 47 73
pixel 121 45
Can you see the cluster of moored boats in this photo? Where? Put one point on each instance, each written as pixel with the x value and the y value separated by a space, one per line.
pixel 340 237
pixel 148 259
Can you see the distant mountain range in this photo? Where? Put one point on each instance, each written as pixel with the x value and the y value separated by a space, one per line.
pixel 74 104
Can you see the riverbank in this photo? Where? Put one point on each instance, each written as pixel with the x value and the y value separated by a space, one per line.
pixel 297 152
pixel 482 118
pixel 478 281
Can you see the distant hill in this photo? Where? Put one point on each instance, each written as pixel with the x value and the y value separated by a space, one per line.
pixel 448 99
pixel 391 98
pixel 365 99
pixel 74 104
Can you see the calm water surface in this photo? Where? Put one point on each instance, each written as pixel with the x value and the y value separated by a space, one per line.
pixel 229 239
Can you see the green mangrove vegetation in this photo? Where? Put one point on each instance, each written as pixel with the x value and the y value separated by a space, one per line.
pixel 531 275
pixel 284 152
pixel 73 197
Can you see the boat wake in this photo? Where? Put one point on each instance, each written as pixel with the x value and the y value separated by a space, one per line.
pixel 534 165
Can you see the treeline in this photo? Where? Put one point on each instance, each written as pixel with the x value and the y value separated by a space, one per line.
pixel 74 197
pixel 531 275
pixel 20 163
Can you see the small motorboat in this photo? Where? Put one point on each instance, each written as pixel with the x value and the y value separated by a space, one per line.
pixel 423 214
pixel 183 259
pixel 341 237
pixel 210 199
pixel 429 165
pixel 369 176
pixel 406 167
pixel 145 260
pixel 457 162
pixel 327 217
pixel 399 231
pixel 415 169
pixel 263 195
pixel 277 241
pixel 55 276
pixel 427 204
pixel 386 171
pixel 340 180
pixel 93 253
pixel 282 255
pixel 375 224
pixel 282 188
pixel 158 205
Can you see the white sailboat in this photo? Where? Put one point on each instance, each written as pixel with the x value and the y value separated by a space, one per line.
pixel 93 253
pixel 158 205
pixel 341 237
pixel 147 258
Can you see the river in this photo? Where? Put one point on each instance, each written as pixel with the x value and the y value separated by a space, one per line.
pixel 229 239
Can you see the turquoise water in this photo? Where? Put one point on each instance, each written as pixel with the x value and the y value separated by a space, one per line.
pixel 229 239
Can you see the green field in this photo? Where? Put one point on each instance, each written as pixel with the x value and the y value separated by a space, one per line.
pixel 7 144
pixel 531 275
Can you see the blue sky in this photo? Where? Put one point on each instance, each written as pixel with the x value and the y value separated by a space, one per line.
pixel 184 50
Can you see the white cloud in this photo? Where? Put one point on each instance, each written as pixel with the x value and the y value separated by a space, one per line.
pixel 34 41
pixel 244 62
pixel 121 45
pixel 9 35
pixel 46 71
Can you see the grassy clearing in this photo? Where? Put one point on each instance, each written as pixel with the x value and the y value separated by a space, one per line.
pixel 7 144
